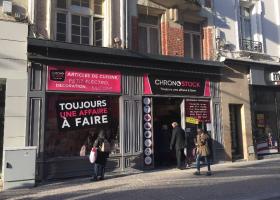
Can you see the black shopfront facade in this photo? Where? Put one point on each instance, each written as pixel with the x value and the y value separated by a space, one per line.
pixel 265 105
pixel 75 91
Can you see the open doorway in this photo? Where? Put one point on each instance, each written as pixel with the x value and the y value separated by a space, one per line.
pixel 165 111
pixel 2 109
pixel 236 131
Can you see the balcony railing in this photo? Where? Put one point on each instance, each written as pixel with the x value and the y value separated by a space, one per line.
pixel 250 45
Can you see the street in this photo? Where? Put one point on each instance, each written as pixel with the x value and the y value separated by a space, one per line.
pixel 254 180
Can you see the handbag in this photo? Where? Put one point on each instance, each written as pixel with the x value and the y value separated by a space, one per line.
pixel 105 147
pixel 83 150
pixel 93 155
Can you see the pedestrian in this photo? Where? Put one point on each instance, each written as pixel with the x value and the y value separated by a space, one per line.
pixel 178 139
pixel 202 151
pixel 102 155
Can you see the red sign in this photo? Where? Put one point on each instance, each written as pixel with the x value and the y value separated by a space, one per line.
pixel 83 80
pixel 198 109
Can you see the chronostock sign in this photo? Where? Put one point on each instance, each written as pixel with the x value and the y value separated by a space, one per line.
pixel 176 86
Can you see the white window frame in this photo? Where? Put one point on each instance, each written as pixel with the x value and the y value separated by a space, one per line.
pixel 81 11
pixel 192 33
pixel 148 27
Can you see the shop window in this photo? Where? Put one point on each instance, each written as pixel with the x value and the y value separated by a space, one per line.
pixel 192 40
pixel 80 25
pixel 86 116
pixel 266 120
pixel 149 34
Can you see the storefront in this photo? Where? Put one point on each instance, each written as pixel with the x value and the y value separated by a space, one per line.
pixel 266 109
pixel 183 100
pixel 76 91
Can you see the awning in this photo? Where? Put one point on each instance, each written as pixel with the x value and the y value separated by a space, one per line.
pixel 59 53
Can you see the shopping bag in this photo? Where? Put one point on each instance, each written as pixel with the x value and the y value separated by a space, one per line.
pixel 106 147
pixel 185 151
pixel 83 150
pixel 93 155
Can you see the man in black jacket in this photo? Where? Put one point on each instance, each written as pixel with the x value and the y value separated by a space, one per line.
pixel 178 138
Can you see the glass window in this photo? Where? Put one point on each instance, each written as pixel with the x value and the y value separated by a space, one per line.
pixel 82 3
pixel 84 29
pixel 143 46
pixel 154 41
pixel 83 124
pixel 265 104
pixel 149 39
pixel 61 27
pixel 245 19
pixel 61 3
pixel 187 44
pixel 192 40
pixel 97 33
pixel 196 47
pixel 80 29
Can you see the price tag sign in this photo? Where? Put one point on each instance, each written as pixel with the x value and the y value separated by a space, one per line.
pixel 192 120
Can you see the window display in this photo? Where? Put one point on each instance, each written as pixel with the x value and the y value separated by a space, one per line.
pixel 76 120
pixel 266 118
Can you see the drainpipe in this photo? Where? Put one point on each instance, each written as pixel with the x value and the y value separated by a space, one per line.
pixel 123 17
pixel 126 24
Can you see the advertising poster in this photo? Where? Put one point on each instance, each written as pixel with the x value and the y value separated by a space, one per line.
pixel 83 80
pixel 197 110
pixel 82 113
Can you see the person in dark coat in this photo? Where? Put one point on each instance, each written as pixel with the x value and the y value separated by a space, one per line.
pixel 178 139
pixel 101 160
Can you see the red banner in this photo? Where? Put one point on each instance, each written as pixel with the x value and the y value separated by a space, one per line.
pixel 198 109
pixel 83 80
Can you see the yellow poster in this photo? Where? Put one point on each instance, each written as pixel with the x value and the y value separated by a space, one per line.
pixel 192 120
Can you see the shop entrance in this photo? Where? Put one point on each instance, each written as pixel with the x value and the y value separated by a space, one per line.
pixel 165 111
pixel 2 109
pixel 236 132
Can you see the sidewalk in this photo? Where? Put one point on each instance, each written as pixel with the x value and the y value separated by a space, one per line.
pixel 238 180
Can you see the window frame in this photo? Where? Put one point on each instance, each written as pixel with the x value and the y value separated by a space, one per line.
pixel 243 18
pixel 69 11
pixel 192 33
pixel 148 27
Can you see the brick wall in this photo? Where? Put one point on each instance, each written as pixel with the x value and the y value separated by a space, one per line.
pixel 172 39
pixel 207 43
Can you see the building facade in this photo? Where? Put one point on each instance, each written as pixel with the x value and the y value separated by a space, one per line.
pixel 130 68
pixel 13 76
pixel 247 36
pixel 157 79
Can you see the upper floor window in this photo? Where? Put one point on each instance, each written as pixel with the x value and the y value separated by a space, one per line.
pixel 149 34
pixel 82 3
pixel 192 40
pixel 79 21
pixel 245 23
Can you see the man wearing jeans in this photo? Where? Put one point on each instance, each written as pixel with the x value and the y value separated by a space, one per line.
pixel 202 151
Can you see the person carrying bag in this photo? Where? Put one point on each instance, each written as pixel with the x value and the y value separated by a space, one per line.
pixel 102 147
